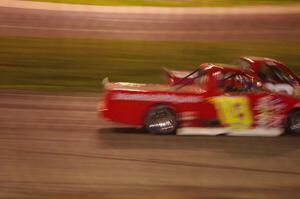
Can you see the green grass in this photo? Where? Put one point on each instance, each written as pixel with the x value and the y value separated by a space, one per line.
pixel 81 64
pixel 176 3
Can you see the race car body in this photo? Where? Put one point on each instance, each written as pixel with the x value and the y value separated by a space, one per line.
pixel 273 74
pixel 221 100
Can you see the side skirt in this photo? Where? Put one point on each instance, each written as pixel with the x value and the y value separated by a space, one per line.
pixel 267 132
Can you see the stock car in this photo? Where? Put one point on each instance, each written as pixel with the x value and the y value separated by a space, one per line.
pixel 273 74
pixel 221 101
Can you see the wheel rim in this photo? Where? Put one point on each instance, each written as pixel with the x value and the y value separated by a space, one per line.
pixel 295 123
pixel 162 121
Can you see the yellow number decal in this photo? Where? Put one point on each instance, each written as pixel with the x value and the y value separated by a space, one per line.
pixel 233 112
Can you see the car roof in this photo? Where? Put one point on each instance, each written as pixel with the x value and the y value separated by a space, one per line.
pixel 218 67
pixel 258 59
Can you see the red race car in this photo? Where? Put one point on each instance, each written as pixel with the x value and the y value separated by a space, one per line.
pixel 220 101
pixel 273 74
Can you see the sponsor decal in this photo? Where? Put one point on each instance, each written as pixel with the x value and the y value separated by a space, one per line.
pixel 280 88
pixel 157 97
pixel 233 112
pixel 269 112
pixel 188 115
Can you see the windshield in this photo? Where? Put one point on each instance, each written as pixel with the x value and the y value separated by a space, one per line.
pixel 242 63
pixel 272 73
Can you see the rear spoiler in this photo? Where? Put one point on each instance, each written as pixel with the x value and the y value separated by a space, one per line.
pixel 105 82
pixel 168 72
pixel 176 76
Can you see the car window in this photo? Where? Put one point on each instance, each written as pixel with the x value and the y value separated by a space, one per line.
pixel 237 82
pixel 272 73
pixel 265 73
pixel 242 63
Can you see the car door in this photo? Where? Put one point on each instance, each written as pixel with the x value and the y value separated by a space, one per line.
pixel 243 107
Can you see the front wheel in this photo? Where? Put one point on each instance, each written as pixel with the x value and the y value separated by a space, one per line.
pixel 293 122
pixel 161 119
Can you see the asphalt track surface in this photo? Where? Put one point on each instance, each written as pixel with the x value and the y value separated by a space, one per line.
pixel 149 26
pixel 54 146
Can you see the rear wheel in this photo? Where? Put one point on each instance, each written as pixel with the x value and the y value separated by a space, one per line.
pixel 293 122
pixel 161 119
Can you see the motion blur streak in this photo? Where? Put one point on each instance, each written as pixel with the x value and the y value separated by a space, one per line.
pixel 150 10
pixel 55 146
pixel 29 22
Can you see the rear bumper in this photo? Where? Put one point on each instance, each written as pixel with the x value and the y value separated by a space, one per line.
pixel 102 110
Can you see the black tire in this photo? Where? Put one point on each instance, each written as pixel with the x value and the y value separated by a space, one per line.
pixel 293 122
pixel 161 119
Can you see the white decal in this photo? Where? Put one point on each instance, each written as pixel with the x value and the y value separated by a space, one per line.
pixel 157 97
pixel 269 112
pixel 188 115
pixel 280 88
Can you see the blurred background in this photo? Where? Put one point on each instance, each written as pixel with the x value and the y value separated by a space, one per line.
pixel 72 47
pixel 53 57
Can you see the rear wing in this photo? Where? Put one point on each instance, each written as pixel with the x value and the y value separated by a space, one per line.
pixel 105 82
pixel 176 77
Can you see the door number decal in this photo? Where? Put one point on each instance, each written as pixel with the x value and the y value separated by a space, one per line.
pixel 233 112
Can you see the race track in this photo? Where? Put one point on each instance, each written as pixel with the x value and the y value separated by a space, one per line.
pixel 54 146
pixel 149 26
